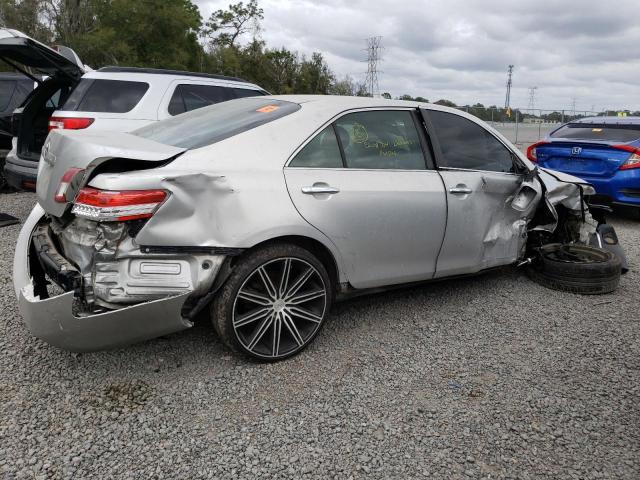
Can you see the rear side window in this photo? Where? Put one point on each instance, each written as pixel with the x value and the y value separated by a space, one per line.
pixel 321 152
pixel 214 123
pixel 246 92
pixel 606 133
pixel 187 97
pixel 191 97
pixel 465 144
pixel 106 96
pixel 7 87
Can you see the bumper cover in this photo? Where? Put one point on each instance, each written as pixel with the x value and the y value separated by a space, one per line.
pixel 53 319
pixel 18 171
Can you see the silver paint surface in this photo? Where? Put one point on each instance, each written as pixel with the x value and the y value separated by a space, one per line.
pixel 382 227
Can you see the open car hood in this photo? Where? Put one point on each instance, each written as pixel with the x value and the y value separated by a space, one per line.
pixel 20 50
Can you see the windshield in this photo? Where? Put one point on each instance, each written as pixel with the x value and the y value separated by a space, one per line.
pixel 599 131
pixel 209 125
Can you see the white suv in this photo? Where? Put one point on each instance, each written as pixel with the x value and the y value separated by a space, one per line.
pixel 113 98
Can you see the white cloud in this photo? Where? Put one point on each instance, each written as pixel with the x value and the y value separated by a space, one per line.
pixel 459 50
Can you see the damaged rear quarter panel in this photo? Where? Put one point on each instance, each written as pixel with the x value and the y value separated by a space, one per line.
pixel 221 202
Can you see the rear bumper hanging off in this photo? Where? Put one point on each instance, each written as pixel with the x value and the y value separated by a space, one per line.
pixel 54 320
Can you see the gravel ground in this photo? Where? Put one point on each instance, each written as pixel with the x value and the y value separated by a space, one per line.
pixel 490 377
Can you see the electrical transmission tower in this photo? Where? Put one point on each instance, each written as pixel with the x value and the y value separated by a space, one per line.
pixel 507 102
pixel 532 99
pixel 374 45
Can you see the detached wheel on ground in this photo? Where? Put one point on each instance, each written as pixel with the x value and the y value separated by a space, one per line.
pixel 576 268
pixel 274 302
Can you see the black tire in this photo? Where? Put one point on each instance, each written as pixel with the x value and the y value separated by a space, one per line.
pixel 576 268
pixel 246 294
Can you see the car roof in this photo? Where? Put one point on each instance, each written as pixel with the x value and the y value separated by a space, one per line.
pixel 611 120
pixel 335 104
pixel 161 71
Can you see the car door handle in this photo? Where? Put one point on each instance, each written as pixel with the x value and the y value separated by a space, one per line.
pixel 320 189
pixel 460 190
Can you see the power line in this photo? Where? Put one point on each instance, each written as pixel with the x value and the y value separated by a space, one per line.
pixel 374 45
pixel 507 102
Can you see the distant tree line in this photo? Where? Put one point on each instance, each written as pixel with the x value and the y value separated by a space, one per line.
pixel 172 34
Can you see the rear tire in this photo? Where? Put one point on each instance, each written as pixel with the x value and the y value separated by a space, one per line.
pixel 576 268
pixel 274 302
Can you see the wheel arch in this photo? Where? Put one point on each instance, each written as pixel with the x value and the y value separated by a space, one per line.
pixel 314 246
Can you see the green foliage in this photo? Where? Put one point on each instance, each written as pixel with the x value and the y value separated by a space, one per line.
pixel 445 103
pixel 225 26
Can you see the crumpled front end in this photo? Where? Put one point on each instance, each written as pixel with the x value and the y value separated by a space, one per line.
pixel 85 285
pixel 565 216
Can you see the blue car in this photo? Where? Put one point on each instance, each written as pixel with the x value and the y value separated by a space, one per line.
pixel 604 151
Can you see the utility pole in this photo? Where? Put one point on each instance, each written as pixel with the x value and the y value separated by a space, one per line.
pixel 573 106
pixel 532 99
pixel 507 101
pixel 374 45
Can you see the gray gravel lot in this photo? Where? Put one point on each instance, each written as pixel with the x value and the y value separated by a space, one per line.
pixel 489 377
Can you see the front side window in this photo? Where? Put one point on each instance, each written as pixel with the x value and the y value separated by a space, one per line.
pixel 214 123
pixel 321 152
pixel 465 144
pixel 381 139
pixel 105 96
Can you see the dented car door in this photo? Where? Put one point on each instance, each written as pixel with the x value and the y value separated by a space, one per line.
pixel 489 196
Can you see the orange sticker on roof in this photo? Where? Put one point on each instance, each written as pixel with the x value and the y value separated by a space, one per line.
pixel 268 109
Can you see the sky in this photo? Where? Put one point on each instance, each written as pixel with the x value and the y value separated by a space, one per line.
pixel 587 51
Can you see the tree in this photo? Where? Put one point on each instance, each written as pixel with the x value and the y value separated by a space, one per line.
pixel 346 86
pixel 149 33
pixel 225 26
pixel 314 75
pixel 446 103
pixel 30 16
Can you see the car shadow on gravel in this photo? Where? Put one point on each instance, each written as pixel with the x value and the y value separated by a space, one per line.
pixel 199 346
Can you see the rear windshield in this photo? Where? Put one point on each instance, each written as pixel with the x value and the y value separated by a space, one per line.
pixel 607 133
pixel 211 124
pixel 106 96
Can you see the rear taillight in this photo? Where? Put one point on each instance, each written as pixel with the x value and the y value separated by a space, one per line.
pixel 69 123
pixel 532 153
pixel 634 160
pixel 117 206
pixel 65 182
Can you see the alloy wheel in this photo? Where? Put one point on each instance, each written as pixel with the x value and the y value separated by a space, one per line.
pixel 279 307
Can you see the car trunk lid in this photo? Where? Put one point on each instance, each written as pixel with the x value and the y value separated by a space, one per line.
pixel 18 50
pixel 66 150
pixel 582 158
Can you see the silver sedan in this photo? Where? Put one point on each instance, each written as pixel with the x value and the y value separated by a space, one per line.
pixel 265 210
